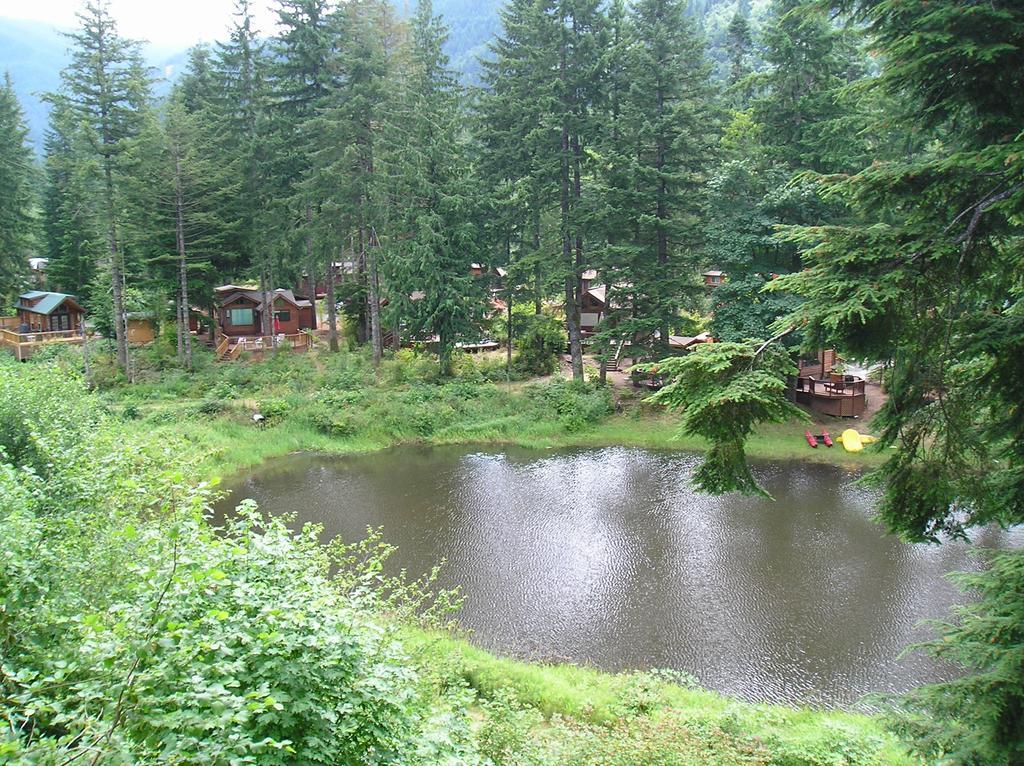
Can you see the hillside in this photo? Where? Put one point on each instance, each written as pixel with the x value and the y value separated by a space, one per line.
pixel 35 52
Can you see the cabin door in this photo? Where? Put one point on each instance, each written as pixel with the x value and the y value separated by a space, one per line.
pixel 61 321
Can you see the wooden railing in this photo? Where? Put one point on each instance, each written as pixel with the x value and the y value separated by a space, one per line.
pixel 25 344
pixel 222 346
pixel 257 345
pixel 12 337
pixel 832 387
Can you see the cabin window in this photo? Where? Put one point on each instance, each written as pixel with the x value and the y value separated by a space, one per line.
pixel 240 317
pixel 283 316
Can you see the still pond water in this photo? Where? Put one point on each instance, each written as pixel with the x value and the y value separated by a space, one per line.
pixel 608 557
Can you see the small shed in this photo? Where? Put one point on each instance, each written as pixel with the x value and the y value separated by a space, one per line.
pixel 40 311
pixel 713 278
pixel 141 327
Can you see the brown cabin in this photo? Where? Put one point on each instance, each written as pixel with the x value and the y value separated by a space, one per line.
pixel 713 278
pixel 40 311
pixel 240 312
pixel 819 387
pixel 593 305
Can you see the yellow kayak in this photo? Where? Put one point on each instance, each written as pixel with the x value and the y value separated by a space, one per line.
pixel 853 441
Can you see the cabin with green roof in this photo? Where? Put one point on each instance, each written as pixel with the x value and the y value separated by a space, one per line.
pixel 43 318
pixel 40 311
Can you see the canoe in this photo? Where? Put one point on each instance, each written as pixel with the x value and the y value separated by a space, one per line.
pixel 825 437
pixel 810 439
pixel 853 441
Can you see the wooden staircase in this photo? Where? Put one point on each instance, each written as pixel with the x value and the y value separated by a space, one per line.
pixel 224 349
pixel 614 364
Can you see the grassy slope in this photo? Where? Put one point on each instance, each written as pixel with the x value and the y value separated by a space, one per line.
pixel 226 441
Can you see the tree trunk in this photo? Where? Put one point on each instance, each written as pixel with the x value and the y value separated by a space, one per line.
pixel 538 288
pixel 373 295
pixel 332 311
pixel 311 262
pixel 509 298
pixel 185 339
pixel 572 320
pixel 213 322
pixel 116 272
pixel 572 278
pixel 265 315
pixel 177 327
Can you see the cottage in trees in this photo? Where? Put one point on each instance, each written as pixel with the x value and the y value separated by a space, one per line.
pixel 240 312
pixel 42 318
pixel 713 278
pixel 40 311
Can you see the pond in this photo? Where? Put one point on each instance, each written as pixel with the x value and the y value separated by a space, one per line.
pixel 608 557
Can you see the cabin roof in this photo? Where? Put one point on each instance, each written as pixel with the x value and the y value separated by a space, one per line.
pixel 685 341
pixel 713 273
pixel 46 302
pixel 257 297
pixel 599 293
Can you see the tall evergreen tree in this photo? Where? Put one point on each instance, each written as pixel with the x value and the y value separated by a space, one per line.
pixel 302 73
pixel 240 109
pixel 438 242
pixel 17 191
pixel 575 91
pixel 513 147
pixel 739 40
pixel 106 87
pixel 347 132
pixel 72 208
pixel 663 132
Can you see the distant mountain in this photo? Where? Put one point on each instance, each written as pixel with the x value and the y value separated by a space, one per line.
pixel 34 52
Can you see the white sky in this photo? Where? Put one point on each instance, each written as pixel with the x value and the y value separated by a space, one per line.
pixel 165 23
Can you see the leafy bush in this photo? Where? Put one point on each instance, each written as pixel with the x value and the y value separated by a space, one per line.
pixel 274 409
pixel 134 633
pixel 211 407
pixel 331 421
pixel 538 345
pixel 576 405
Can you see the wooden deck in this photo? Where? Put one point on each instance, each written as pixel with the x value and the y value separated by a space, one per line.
pixel 841 396
pixel 229 349
pixel 24 345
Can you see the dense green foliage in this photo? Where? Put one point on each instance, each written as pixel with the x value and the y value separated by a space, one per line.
pixel 978 718
pixel 17 191
pixel 723 391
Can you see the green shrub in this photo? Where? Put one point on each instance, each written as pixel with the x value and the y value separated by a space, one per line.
pixel 132 632
pixel 211 407
pixel 538 345
pixel 274 409
pixel 331 421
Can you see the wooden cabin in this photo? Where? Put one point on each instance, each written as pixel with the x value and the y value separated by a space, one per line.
pixel 43 318
pixel 820 388
pixel 593 307
pixel 713 278
pixel 40 311
pixel 240 312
